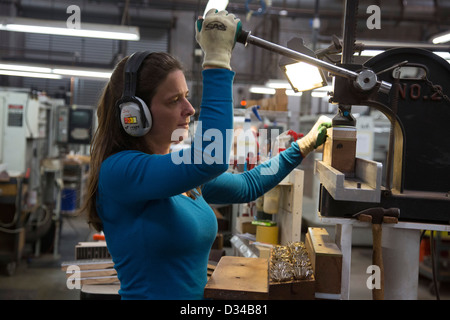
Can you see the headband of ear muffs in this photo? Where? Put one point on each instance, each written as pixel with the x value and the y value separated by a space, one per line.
pixel 135 116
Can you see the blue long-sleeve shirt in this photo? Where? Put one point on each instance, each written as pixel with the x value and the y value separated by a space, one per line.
pixel 160 239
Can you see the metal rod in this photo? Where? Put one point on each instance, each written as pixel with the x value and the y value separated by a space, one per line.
pixel 300 57
pixel 349 30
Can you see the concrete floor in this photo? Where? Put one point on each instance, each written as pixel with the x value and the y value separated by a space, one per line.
pixel 41 278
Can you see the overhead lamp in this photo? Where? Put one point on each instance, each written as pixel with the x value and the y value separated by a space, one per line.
pixel 84 73
pixel 49 72
pixel 441 38
pixel 301 75
pixel 89 30
pixel 29 74
pixel 18 67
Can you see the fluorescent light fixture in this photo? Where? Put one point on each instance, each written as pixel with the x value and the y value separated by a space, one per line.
pixel 83 73
pixel 369 53
pixel 319 94
pixel 261 90
pixel 215 4
pixel 50 72
pixel 290 92
pixel 278 84
pixel 30 74
pixel 89 30
pixel 372 53
pixel 271 91
pixel 18 67
pixel 441 38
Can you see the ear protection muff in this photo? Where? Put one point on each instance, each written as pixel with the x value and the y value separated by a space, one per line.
pixel 135 116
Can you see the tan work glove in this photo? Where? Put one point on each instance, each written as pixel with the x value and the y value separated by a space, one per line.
pixel 315 137
pixel 216 34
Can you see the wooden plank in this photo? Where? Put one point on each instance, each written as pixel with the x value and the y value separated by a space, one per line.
pixel 94 273
pixel 89 264
pixel 238 278
pixel 326 260
pixel 322 242
pixel 290 212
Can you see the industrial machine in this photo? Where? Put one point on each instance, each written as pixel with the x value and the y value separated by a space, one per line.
pixel 410 87
pixel 75 124
pixel 418 164
pixel 36 132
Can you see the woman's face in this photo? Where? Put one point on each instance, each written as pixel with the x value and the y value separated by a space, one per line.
pixel 171 112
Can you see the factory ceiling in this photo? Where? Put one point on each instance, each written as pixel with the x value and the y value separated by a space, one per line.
pixel 431 14
pixel 413 21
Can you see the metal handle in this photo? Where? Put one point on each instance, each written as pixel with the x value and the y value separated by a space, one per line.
pixel 245 38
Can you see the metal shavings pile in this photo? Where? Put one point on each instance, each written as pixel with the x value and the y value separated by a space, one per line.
pixel 290 262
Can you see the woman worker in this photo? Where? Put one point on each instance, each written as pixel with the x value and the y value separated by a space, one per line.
pixel 154 212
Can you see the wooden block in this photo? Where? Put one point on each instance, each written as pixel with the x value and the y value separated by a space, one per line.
pixel 263 251
pixel 238 278
pixel 339 150
pixel 326 260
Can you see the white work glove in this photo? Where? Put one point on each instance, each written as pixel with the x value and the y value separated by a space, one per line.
pixel 315 137
pixel 216 34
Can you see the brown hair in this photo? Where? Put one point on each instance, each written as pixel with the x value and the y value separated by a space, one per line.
pixel 110 138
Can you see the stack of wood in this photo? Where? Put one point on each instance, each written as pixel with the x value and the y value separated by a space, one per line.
pixel 95 271
pixel 92 264
pixel 210 269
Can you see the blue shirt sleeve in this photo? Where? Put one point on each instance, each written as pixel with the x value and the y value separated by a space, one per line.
pixel 137 176
pixel 249 185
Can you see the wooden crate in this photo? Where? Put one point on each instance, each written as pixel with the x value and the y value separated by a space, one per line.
pixel 326 260
pixel 292 290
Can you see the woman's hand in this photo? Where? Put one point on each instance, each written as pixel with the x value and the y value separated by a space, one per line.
pixel 315 137
pixel 216 34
